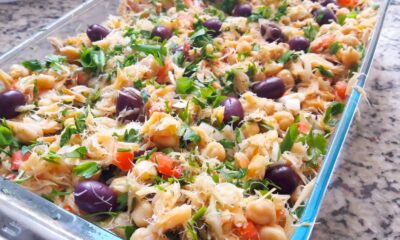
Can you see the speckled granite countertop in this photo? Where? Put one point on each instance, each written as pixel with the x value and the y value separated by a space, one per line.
pixel 363 201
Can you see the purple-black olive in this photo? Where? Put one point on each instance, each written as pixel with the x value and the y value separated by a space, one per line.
pixel 326 2
pixel 9 102
pixel 324 16
pixel 243 10
pixel 299 44
pixel 271 32
pixel 284 177
pixel 162 32
pixel 272 88
pixel 93 197
pixel 130 105
pixel 108 173
pixel 233 111
pixel 96 32
pixel 214 26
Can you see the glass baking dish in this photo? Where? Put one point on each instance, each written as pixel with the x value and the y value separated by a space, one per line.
pixel 24 215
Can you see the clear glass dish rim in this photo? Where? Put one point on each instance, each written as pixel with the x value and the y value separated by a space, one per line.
pixel 314 202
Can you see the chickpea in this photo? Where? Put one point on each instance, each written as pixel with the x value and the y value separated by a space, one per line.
pixel 215 150
pixel 287 78
pixel 257 166
pixel 166 141
pixel 142 213
pixel 241 160
pixel 349 57
pixel 274 232
pixel 243 46
pixel 250 128
pixel 119 185
pixel 44 82
pixel 143 234
pixel 261 211
pixel 17 71
pixel 284 119
pixel 145 170
pixel 204 138
pixel 70 52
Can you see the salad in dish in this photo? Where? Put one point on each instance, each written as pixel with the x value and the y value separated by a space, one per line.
pixel 186 119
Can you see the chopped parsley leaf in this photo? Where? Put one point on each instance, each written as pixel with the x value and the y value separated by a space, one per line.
pixel 86 170
pixel 180 5
pixel 93 59
pixel 325 72
pixel 317 146
pixel 310 32
pixel 281 11
pixel 263 12
pixel 33 65
pixel 184 85
pixel 227 6
pixel 158 51
pixel 66 135
pixel 333 110
pixel 287 56
pixel 80 152
pixel 335 47
pixel 290 138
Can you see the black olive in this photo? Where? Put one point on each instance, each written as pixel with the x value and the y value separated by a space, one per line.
pixel 272 88
pixel 93 197
pixel 214 26
pixel 299 44
pixel 97 32
pixel 271 32
pixel 130 106
pixel 233 110
pixel 284 177
pixel 109 173
pixel 243 10
pixel 324 16
pixel 326 2
pixel 164 33
pixel 9 102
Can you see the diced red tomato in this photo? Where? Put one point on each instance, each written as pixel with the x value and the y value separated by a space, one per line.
pixel 162 75
pixel 340 91
pixel 303 126
pixel 17 159
pixel 186 48
pixel 68 208
pixel 188 3
pixel 166 165
pixel 124 160
pixel 322 43
pixel 347 3
pixel 248 232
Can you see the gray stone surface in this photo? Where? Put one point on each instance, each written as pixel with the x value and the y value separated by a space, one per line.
pixel 363 201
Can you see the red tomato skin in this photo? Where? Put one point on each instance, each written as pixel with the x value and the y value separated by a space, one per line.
pixel 166 165
pixel 347 3
pixel 248 232
pixel 124 161
pixel 340 91
pixel 17 159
